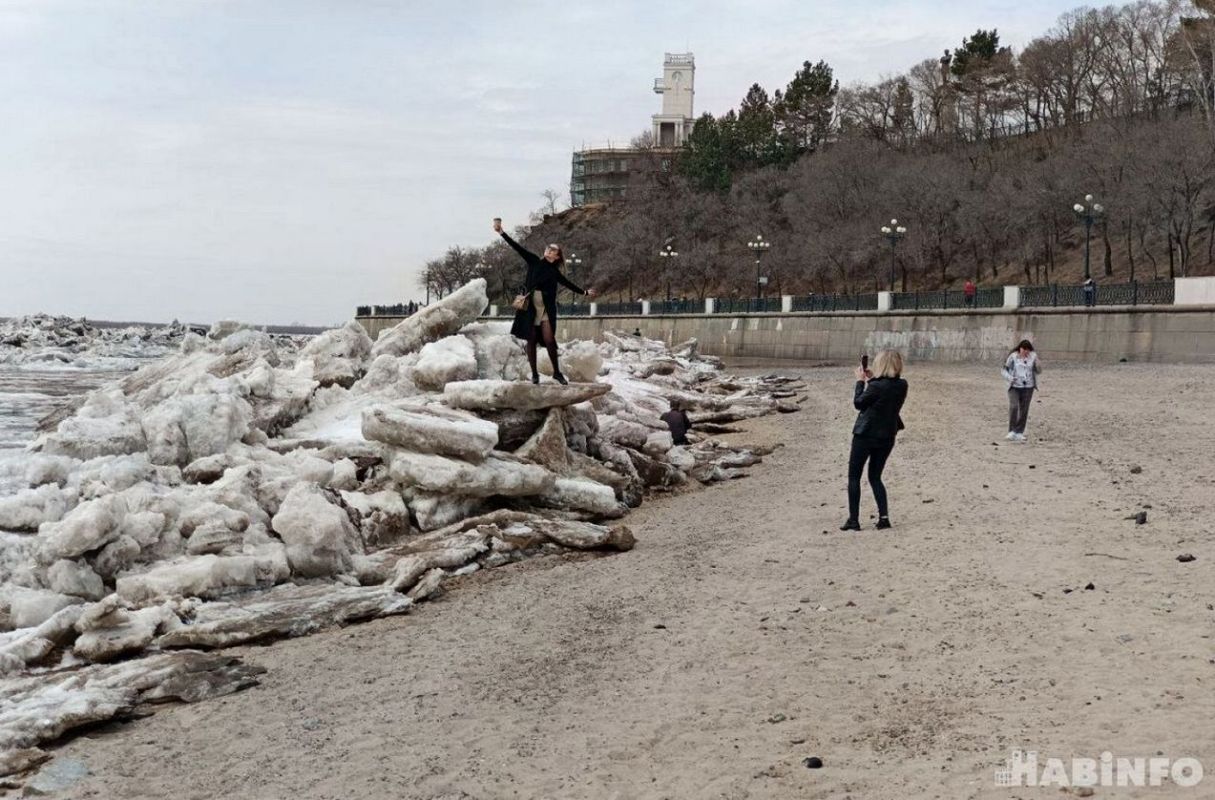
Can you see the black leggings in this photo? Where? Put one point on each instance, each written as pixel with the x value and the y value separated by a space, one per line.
pixel 542 331
pixel 875 451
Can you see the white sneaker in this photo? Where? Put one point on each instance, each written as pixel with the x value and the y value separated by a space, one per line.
pixel 1012 437
pixel 1019 438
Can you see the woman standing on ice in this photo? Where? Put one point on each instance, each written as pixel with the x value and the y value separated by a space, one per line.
pixel 1021 370
pixel 538 318
pixel 879 396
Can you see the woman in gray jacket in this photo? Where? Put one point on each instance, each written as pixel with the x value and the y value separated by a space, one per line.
pixel 1021 370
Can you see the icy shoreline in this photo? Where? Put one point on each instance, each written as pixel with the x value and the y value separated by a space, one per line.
pixel 243 489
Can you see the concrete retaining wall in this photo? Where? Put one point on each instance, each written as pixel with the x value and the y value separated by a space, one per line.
pixel 1104 334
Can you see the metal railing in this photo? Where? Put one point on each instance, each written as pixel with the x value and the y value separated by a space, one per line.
pixel 618 309
pixel 1113 294
pixel 835 302
pixel 394 310
pixel 946 298
pixel 747 305
pixel 1052 295
pixel 677 307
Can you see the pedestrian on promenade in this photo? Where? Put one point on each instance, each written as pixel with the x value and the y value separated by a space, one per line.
pixel 968 291
pixel 1090 292
pixel 878 396
pixel 536 313
pixel 1021 370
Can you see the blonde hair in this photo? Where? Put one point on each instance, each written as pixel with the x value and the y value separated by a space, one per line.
pixel 888 364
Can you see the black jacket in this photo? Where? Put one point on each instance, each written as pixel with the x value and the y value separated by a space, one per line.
pixel 542 276
pixel 879 403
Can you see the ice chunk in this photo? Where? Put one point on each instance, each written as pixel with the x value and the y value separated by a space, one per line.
pixel 385 519
pixel 89 526
pixel 182 429
pixel 42 469
pixel 431 429
pixel 198 576
pixel 31 607
pixel 320 537
pixel 431 323
pixel 124 632
pixel 434 511
pixel 491 394
pixel 579 494
pixel 28 509
pixel 450 359
pixel 580 361
pixel 495 475
pixel 75 578
pixel 105 425
pixel 338 356
pixel 546 446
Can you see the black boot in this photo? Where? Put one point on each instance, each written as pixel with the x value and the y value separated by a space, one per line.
pixel 883 523
pixel 559 378
pixel 536 377
pixel 850 525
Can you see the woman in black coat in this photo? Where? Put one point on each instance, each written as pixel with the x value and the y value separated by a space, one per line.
pixel 538 318
pixel 878 396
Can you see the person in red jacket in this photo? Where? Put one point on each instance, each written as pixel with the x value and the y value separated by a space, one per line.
pixel 969 291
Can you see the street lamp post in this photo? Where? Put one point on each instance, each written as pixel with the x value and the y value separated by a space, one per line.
pixel 574 262
pixel 759 246
pixel 1088 212
pixel 668 256
pixel 893 232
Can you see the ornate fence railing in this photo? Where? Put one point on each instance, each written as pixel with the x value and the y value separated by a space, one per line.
pixel 835 302
pixel 1112 294
pixel 747 305
pixel 618 309
pixel 946 298
pixel 677 307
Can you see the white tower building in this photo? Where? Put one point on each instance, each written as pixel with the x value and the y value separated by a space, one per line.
pixel 672 126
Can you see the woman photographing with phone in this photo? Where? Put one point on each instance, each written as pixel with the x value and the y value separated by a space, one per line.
pixel 536 308
pixel 878 396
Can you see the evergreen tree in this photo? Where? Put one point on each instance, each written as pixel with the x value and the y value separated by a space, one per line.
pixel 706 159
pixel 976 52
pixel 807 108
pixel 756 129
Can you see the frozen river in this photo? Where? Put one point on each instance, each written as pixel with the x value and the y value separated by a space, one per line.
pixel 28 394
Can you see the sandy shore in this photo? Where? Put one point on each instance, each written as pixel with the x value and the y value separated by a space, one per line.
pixel 745 632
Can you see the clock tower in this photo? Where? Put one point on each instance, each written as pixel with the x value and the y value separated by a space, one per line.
pixel 672 126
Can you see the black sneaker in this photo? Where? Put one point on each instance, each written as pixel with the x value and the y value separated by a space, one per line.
pixel 559 378
pixel 883 523
pixel 850 525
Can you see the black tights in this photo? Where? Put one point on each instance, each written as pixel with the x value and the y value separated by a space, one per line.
pixel 875 451
pixel 542 331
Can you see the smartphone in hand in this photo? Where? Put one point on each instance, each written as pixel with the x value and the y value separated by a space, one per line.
pixel 865 361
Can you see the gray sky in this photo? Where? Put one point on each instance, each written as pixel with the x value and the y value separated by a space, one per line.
pixel 285 160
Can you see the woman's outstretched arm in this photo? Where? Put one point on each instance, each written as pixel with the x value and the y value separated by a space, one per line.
pixel 567 283
pixel 527 255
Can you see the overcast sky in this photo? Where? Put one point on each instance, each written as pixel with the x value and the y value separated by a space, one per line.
pixel 282 161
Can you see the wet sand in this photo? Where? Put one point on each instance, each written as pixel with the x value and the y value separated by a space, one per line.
pixel 746 632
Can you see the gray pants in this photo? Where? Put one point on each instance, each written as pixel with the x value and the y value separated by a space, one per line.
pixel 1018 408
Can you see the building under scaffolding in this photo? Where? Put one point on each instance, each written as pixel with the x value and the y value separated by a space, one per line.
pixel 603 174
